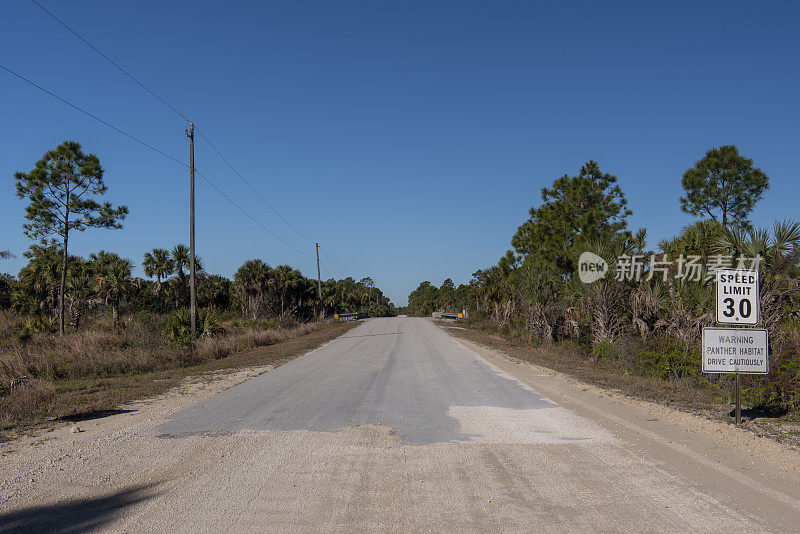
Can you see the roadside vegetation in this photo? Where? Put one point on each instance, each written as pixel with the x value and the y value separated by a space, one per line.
pixel 98 388
pixel 645 317
pixel 65 318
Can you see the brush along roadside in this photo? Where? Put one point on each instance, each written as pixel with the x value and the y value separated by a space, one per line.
pixel 49 401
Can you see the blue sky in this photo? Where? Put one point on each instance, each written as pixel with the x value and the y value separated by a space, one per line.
pixel 408 138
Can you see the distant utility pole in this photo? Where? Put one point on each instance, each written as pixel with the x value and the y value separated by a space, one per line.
pixel 319 281
pixel 192 293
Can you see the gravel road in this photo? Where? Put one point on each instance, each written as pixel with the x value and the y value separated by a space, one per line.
pixel 396 426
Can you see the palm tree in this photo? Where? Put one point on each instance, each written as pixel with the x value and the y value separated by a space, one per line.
pixel 537 291
pixel 369 283
pixel 604 301
pixel 251 281
pixel 214 291
pixel 79 289
pixel 41 275
pixel 646 301
pixel 289 286
pixel 158 264
pixel 778 251
pixel 115 284
pixel 180 260
pixel 328 296
pixel 688 307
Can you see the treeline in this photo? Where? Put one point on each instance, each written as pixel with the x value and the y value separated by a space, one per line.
pixel 56 289
pixel 104 283
pixel 651 305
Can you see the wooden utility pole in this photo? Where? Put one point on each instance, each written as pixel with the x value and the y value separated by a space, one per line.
pixel 192 293
pixel 319 281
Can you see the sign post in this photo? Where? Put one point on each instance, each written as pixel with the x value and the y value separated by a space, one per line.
pixel 738 401
pixel 736 350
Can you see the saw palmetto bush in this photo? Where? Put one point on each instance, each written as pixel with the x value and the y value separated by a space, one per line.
pixel 537 293
pixel 179 328
pixel 687 308
pixel 600 309
pixel 647 301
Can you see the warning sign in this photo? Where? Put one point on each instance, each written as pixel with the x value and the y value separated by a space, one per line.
pixel 731 350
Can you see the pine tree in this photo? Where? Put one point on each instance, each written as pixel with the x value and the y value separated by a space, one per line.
pixel 61 190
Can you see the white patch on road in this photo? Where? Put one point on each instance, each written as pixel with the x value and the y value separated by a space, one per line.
pixel 489 424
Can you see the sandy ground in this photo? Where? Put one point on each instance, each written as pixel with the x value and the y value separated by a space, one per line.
pixel 641 467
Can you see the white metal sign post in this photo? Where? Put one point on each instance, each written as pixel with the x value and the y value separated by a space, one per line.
pixel 737 297
pixel 736 350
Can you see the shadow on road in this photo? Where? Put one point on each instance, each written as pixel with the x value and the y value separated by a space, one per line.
pixel 78 515
pixel 95 414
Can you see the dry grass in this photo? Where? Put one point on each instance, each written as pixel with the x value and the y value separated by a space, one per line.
pixel 99 369
pixel 98 351
pixel 140 346
pixel 214 348
pixel 31 398
pixel 9 324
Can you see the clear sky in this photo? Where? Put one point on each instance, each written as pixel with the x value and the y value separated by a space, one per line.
pixel 409 138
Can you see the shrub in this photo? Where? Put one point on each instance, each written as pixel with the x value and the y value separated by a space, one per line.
pixel 38 325
pixel 668 364
pixel 604 349
pixel 179 328
pixel 778 391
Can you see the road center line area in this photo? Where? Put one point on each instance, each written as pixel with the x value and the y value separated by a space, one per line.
pixel 393 427
pixel 404 374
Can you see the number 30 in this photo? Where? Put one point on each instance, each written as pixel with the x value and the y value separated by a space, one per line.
pixel 745 308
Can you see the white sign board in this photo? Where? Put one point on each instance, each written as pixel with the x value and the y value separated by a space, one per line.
pixel 738 300
pixel 728 350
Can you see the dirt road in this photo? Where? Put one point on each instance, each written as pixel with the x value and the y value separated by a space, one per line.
pixel 396 426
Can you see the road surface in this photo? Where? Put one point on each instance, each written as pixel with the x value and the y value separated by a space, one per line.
pixel 396 426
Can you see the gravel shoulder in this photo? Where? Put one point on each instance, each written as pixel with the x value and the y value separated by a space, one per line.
pixel 567 361
pixel 712 452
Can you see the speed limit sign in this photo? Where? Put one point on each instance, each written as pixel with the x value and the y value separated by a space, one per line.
pixel 738 300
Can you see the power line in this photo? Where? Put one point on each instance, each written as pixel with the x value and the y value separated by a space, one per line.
pixel 151 147
pixel 327 272
pixel 95 117
pixel 218 190
pixel 331 261
pixel 290 225
pixel 128 74
pixel 154 94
